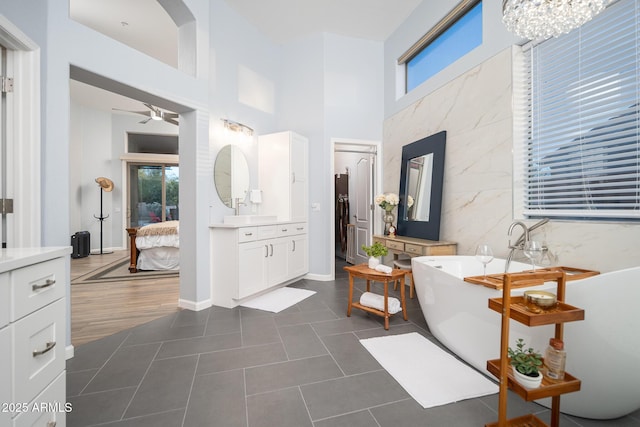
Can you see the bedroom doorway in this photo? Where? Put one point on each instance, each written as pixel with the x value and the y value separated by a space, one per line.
pixel 153 193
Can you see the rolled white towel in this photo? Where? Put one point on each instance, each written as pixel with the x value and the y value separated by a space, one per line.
pixel 383 268
pixel 376 301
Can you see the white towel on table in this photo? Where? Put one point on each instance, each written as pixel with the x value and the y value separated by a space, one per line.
pixel 383 268
pixel 376 301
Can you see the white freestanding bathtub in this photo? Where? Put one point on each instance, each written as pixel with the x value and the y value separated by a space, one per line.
pixel 603 350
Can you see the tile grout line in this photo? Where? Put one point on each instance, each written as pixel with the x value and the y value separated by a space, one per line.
pixel 193 381
pixel 104 364
pixel 140 383
pixel 246 400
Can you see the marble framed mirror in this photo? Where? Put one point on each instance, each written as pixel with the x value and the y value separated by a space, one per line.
pixel 421 177
pixel 231 175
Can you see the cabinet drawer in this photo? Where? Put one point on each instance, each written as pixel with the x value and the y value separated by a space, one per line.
pixel 267 231
pixel 399 246
pixel 247 234
pixel 39 350
pixel 441 250
pixel 292 229
pixel 5 302
pixel 36 286
pixel 284 230
pixel 413 249
pixel 51 405
pixel 299 228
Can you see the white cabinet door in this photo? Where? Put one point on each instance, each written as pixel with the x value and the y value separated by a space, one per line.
pixel 283 174
pixel 298 258
pixel 5 373
pixel 252 274
pixel 278 260
pixel 299 178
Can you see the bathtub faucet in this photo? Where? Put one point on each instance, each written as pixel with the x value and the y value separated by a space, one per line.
pixel 524 237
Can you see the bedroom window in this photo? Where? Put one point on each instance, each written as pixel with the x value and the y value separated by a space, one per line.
pixel 153 194
pixel 581 150
pixel 453 37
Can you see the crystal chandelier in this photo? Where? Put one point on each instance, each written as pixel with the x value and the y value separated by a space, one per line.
pixel 541 19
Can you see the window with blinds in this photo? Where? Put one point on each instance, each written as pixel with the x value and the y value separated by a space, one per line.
pixel 582 149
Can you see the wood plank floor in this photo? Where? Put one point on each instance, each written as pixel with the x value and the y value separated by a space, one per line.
pixel 102 309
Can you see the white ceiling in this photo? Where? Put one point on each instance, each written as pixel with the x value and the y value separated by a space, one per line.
pixel 145 26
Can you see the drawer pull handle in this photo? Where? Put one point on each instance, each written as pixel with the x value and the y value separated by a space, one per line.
pixel 284 230
pixel 271 249
pixel 46 284
pixel 300 228
pixel 266 248
pixel 248 234
pixel 294 245
pixel 47 349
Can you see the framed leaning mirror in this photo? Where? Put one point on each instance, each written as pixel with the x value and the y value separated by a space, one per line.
pixel 421 177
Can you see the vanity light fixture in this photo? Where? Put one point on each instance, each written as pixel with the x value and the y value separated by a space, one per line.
pixel 237 127
pixel 541 19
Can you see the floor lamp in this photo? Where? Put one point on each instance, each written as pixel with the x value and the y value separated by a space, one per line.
pixel 105 185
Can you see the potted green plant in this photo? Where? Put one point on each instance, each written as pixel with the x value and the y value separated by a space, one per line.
pixel 526 364
pixel 374 252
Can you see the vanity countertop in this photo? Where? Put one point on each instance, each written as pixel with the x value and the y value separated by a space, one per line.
pixel 13 258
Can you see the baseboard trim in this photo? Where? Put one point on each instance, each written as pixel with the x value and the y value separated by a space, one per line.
pixel 194 305
pixel 319 277
pixel 69 351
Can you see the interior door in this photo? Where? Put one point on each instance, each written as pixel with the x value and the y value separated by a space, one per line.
pixel 363 205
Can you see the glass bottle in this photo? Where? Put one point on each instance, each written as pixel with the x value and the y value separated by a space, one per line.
pixel 555 359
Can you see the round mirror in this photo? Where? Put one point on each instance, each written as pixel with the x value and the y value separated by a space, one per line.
pixel 231 175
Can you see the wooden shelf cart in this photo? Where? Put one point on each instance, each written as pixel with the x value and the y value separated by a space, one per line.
pixel 514 308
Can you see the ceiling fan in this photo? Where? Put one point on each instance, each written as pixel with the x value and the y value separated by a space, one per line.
pixel 155 113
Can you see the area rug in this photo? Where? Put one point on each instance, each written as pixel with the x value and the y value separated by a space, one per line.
pixel 279 299
pixel 430 375
pixel 118 271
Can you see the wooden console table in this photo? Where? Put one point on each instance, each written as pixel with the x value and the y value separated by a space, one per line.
pixel 413 246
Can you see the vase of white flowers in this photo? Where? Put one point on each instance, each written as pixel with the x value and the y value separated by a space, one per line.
pixel 387 202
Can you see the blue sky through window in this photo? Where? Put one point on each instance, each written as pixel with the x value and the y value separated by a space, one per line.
pixel 456 41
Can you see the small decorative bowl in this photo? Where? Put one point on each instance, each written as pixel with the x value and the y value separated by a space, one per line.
pixel 537 301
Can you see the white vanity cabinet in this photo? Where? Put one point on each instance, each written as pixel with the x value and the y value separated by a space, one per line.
pixel 283 161
pixel 33 286
pixel 247 260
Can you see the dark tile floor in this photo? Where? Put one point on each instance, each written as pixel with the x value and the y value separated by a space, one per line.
pixel 248 368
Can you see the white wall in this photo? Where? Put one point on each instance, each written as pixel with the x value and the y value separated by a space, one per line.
pixel 244 84
pixel 332 88
pixel 475 110
pixel 422 19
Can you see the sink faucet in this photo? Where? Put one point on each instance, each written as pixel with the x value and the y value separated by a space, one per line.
pixel 524 237
pixel 238 203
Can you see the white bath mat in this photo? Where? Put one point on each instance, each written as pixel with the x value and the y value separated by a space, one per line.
pixel 279 299
pixel 430 375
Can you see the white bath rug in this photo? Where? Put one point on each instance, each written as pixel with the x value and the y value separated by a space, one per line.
pixel 279 299
pixel 430 375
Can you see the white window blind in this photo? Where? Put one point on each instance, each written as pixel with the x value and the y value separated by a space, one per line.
pixel 582 150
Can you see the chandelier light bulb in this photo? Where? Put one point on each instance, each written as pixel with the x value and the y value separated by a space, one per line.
pixel 541 19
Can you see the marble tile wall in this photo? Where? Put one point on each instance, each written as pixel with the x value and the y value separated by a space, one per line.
pixel 476 111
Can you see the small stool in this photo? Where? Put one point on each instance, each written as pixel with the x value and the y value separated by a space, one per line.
pixel 362 271
pixel 404 264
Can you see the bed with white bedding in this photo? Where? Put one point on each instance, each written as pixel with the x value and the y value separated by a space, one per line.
pixel 155 247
